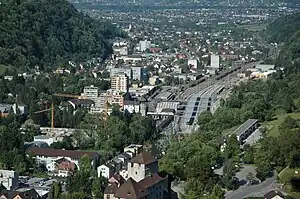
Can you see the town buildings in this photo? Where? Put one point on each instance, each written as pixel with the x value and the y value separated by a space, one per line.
pixel 61 162
pixel 142 180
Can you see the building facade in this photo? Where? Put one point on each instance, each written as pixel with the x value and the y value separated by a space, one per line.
pixel 116 71
pixel 120 82
pixel 9 179
pixel 91 91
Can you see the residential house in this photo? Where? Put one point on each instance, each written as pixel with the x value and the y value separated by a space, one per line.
pixel 156 186
pixel 61 167
pixel 20 194
pixel 44 138
pixel 48 155
pixel 134 148
pixel 131 190
pixel 274 194
pixel 9 179
pixel 152 187
pixel 106 170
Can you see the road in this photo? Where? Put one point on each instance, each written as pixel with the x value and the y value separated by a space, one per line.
pixel 253 190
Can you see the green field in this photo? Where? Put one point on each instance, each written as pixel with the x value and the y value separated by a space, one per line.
pixel 254 27
pixel 273 125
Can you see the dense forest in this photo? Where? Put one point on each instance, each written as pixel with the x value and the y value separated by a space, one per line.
pixel 50 33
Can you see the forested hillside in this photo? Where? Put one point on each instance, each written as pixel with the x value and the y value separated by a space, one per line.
pixel 49 33
pixel 283 28
pixel 286 30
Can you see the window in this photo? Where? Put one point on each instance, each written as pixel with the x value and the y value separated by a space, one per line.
pixel 108 196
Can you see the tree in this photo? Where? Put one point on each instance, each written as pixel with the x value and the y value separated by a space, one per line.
pixel 55 191
pixel 250 177
pixel 99 185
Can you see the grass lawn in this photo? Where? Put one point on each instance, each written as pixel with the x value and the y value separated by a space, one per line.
pixel 273 125
pixel 285 176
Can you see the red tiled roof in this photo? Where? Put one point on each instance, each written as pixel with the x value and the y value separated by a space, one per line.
pixel 131 190
pixel 151 180
pixel 70 166
pixel 143 158
pixel 117 178
pixel 48 152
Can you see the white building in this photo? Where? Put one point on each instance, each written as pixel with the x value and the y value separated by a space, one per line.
pixel 9 179
pixel 120 82
pixel 44 138
pixel 141 166
pixel 137 73
pixel 144 45
pixel 194 63
pixel 91 91
pixel 215 61
pixel 132 106
pixel 134 148
pixel 47 155
pixel 127 71
pixel 105 170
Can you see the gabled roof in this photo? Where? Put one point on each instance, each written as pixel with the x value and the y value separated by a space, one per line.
pixel 143 158
pixel 151 180
pixel 48 152
pixel 272 194
pixel 24 194
pixel 131 190
pixel 117 177
pixel 111 189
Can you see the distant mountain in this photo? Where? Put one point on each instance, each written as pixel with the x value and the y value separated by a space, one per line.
pixel 50 32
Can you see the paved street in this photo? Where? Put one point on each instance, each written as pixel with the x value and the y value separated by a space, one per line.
pixel 253 190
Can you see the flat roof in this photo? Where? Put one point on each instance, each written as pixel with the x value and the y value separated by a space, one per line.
pixel 241 129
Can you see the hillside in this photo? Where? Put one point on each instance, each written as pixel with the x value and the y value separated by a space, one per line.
pixel 286 30
pixel 283 28
pixel 49 33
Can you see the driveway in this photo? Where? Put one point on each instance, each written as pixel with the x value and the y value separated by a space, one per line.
pixel 253 190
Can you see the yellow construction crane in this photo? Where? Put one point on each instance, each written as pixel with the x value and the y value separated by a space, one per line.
pixel 52 115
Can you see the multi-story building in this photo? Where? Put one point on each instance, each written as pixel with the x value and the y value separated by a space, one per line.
pixel 193 63
pixel 144 45
pixel 141 166
pixel 9 179
pixel 47 155
pixel 127 71
pixel 120 82
pixel 137 73
pixel 147 186
pixel 91 91
pixel 215 62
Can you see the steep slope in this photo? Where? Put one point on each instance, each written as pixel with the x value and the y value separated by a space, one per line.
pixel 283 28
pixel 49 33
